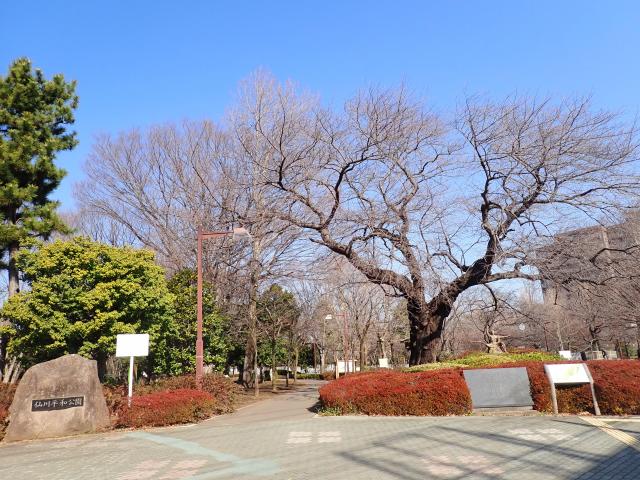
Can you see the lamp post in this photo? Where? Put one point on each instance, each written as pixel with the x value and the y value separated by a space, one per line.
pixel 345 342
pixel 236 233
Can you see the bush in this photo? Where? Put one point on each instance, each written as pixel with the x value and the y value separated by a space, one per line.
pixel 617 385
pixel 395 393
pixel 428 367
pixel 223 390
pixel 115 396
pixel 309 376
pixel 221 396
pixel 6 397
pixel 484 360
pixel 328 375
pixel 166 408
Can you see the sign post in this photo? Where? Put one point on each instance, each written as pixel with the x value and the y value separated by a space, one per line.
pixel 569 374
pixel 132 345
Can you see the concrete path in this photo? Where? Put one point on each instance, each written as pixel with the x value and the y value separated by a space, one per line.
pixel 281 439
pixel 294 405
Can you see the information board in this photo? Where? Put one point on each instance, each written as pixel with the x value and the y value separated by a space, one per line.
pixel 132 345
pixel 568 373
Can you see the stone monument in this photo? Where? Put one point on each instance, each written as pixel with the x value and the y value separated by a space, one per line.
pixel 58 398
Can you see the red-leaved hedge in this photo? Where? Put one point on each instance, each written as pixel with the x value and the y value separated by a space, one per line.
pixel 617 386
pixel 222 392
pixel 166 408
pixel 221 388
pixel 6 397
pixel 442 392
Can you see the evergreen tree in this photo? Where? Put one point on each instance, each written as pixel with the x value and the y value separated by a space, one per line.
pixel 180 352
pixel 82 295
pixel 34 115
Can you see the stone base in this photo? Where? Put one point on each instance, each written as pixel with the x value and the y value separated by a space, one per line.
pixel 58 398
pixel 522 411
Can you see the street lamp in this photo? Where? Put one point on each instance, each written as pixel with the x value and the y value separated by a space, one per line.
pixel 236 233
pixel 345 342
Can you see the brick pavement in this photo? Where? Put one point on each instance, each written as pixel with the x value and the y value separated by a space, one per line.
pixel 292 443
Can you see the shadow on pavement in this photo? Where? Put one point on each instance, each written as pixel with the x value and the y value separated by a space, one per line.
pixel 464 454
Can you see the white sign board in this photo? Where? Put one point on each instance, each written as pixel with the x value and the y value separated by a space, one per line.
pixel 383 362
pixel 132 345
pixel 346 366
pixel 567 374
pixel 566 354
pixel 570 373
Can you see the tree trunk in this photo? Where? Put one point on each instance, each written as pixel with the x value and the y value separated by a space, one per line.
pixel 286 377
pixel 4 342
pixel 249 367
pixel 594 331
pixel 9 368
pixel 363 355
pixel 315 358
pixel 274 371
pixel 12 370
pixel 296 355
pixel 426 324
pixel 102 366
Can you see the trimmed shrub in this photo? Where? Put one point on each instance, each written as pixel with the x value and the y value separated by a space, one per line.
pixel 115 397
pixel 309 376
pixel 428 367
pixel 443 392
pixel 617 385
pixel 486 360
pixel 221 394
pixel 222 389
pixel 6 397
pixel 166 408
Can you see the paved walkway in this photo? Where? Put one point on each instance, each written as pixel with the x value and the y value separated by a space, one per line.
pixel 281 439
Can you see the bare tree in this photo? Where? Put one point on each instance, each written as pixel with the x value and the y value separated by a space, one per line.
pixel 162 185
pixel 375 185
pixel 591 280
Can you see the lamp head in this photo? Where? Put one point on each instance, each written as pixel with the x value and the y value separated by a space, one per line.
pixel 241 233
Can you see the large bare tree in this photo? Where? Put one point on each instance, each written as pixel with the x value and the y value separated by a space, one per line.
pixel 430 212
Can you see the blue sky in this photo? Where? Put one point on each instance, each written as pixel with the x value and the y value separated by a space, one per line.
pixel 140 63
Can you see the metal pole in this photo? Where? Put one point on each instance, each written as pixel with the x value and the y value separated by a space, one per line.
pixel 346 345
pixel 130 380
pixel 199 342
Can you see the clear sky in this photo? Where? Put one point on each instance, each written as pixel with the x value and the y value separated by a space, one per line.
pixel 139 63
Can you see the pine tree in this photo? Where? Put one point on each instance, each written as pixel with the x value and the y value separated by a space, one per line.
pixel 34 115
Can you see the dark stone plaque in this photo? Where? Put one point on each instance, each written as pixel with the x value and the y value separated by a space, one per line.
pixel 499 387
pixel 49 404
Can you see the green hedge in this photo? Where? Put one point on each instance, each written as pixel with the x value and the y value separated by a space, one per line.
pixel 478 360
